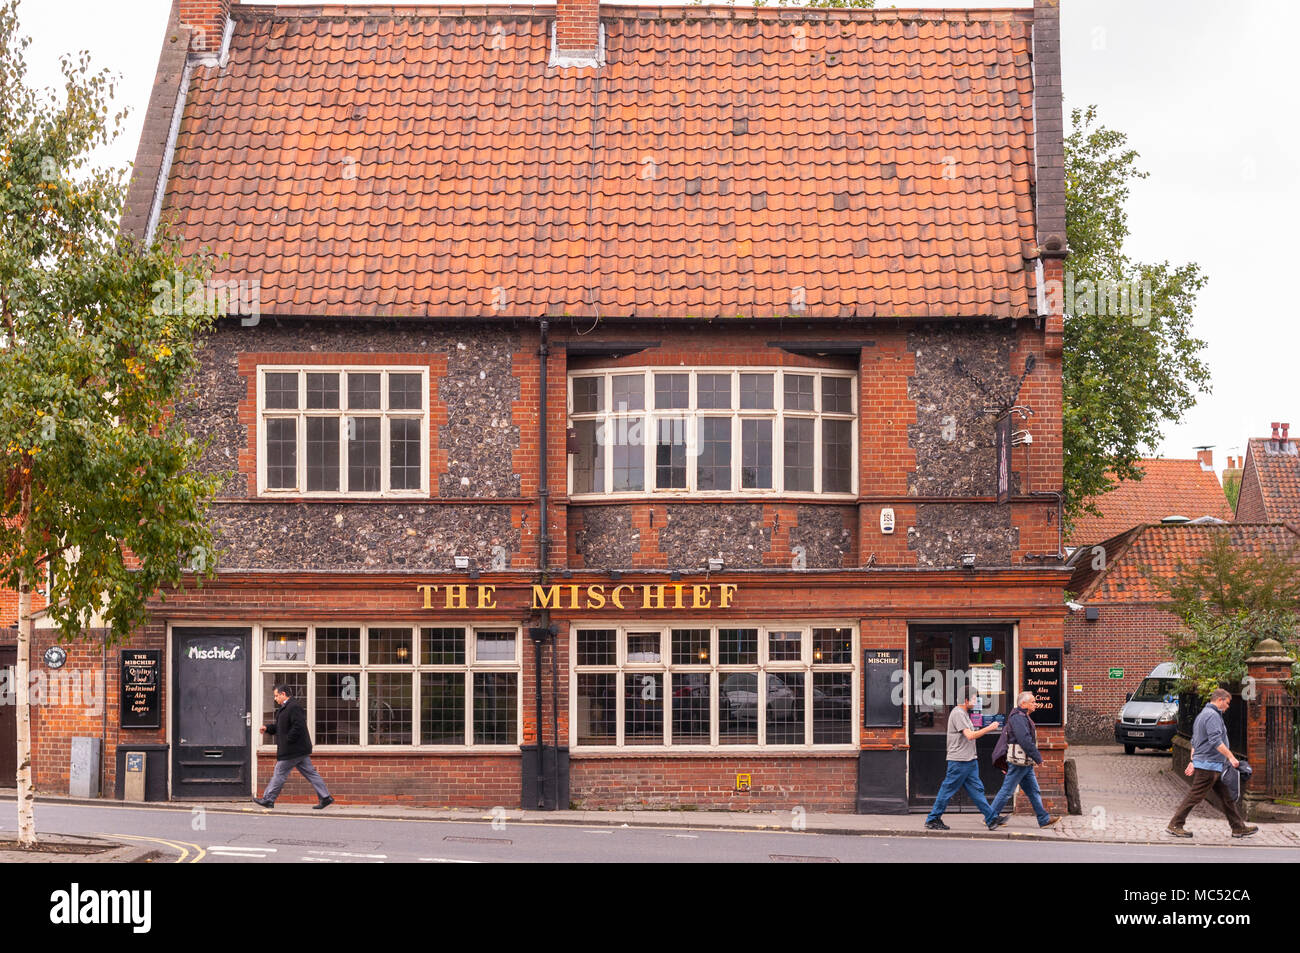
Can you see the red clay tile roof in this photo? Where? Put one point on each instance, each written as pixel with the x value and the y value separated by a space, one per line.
pixel 1159 549
pixel 1168 488
pixel 425 161
pixel 1275 464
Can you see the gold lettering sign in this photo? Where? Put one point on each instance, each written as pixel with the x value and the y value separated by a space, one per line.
pixel 654 597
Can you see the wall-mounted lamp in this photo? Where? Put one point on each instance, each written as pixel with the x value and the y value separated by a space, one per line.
pixel 967 560
pixel 715 565
pixel 462 562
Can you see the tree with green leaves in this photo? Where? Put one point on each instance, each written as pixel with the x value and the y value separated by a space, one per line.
pixel 1127 374
pixel 100 502
pixel 1228 601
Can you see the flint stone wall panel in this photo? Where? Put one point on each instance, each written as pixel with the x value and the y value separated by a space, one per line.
pixel 479 438
pixel 609 540
pixel 944 531
pixel 694 534
pixel 953 434
pixel 823 535
pixel 376 537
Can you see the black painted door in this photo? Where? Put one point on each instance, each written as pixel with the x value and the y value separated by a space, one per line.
pixel 8 717
pixel 211 748
pixel 942 661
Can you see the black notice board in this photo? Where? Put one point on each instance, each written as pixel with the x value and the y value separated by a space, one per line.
pixel 141 705
pixel 884 688
pixel 1042 675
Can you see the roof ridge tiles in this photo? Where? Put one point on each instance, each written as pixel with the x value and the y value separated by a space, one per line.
pixel 338 11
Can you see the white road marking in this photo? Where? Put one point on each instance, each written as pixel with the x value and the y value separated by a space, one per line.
pixel 688 836
pixel 241 849
pixel 344 853
pixel 598 832
pixel 322 860
pixel 446 860
pixel 236 853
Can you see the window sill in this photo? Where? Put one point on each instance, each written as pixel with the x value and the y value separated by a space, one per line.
pixel 733 751
pixel 344 751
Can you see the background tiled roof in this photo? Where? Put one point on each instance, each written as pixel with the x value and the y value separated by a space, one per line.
pixel 1276 466
pixel 1159 549
pixel 1167 488
pixel 723 163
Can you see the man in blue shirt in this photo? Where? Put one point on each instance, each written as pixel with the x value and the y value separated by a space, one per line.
pixel 1210 758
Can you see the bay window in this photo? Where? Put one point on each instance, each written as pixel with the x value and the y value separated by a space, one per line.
pixel 716 686
pixel 713 432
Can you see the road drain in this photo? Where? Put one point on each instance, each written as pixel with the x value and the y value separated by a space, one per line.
pixel 478 840
pixel 802 859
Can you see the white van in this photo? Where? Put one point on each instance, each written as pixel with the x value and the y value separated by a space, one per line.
pixel 1149 717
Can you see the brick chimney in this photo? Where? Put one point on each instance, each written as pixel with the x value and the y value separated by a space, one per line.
pixel 207 22
pixel 1275 425
pixel 1049 130
pixel 1206 456
pixel 577 32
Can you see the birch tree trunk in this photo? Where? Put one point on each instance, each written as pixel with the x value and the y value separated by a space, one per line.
pixel 26 795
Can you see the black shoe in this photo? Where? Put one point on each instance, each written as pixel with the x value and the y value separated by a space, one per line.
pixel 998 821
pixel 261 803
pixel 325 802
pixel 936 825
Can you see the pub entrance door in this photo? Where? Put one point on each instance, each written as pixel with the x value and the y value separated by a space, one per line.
pixel 211 719
pixel 943 660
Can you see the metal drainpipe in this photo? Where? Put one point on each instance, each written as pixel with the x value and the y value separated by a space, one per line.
pixel 543 551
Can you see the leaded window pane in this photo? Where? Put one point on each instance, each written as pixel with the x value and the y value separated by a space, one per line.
pixel 323 391
pixel 323 453
pixel 391 707
pixel 363 391
pixel 597 708
pixel 496 707
pixel 643 708
pixel 756 392
pixel 713 468
pixel 837 456
pixel 405 392
pixel 798 391
pixel 785 708
pixel 670 455
pixel 338 707
pixel 404 454
pixel 589 461
pixel 799 449
pixel 281 454
pixel 756 454
pixel 363 454
pixel 713 391
pixel 832 708
pixel 281 390
pixel 672 391
pixel 588 395
pixel 442 708
pixel 442 646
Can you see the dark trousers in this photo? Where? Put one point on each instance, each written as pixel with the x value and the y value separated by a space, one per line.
pixel 1202 783
pixel 281 774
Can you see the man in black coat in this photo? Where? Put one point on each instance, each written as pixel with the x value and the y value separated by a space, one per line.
pixel 292 750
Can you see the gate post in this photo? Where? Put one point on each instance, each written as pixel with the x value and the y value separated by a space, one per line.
pixel 1267 667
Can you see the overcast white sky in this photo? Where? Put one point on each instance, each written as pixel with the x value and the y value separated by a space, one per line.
pixel 1205 89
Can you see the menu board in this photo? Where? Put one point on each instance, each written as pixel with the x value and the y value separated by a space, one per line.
pixel 882 676
pixel 141 705
pixel 1042 675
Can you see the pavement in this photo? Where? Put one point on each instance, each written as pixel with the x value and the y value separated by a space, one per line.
pixel 1126 799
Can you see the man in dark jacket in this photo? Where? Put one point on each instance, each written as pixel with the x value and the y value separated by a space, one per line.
pixel 1210 757
pixel 292 750
pixel 1020 731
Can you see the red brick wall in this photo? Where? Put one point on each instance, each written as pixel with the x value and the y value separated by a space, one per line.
pixel 481 781
pixel 1131 637
pixel 816 783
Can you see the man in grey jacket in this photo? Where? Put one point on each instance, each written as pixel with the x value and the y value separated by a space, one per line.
pixel 1210 756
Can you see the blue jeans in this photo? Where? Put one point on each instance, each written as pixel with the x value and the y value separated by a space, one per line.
pixel 1023 777
pixel 961 774
pixel 281 774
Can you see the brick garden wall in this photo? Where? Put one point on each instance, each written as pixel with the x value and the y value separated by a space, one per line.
pixel 1131 637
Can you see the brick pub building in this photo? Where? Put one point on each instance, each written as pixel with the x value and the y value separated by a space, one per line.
pixel 645 372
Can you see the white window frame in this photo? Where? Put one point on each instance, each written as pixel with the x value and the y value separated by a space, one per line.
pixel 622 669
pixel 469 668
pixel 342 413
pixel 693 414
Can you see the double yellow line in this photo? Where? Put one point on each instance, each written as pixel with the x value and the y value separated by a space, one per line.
pixel 182 847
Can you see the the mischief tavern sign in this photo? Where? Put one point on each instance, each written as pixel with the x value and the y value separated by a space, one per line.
pixel 599 596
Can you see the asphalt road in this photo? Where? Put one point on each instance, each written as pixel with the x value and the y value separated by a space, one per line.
pixel 256 837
